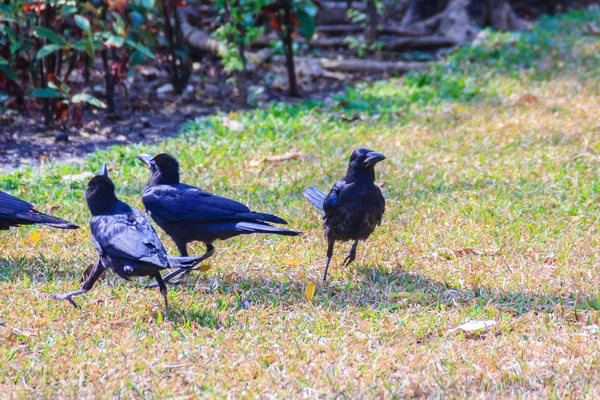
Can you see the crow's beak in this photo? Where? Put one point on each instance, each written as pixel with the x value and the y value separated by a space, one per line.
pixel 104 170
pixel 145 158
pixel 373 158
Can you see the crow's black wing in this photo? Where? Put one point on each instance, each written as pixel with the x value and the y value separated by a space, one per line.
pixel 128 235
pixel 332 200
pixel 15 211
pixel 10 205
pixel 381 206
pixel 180 202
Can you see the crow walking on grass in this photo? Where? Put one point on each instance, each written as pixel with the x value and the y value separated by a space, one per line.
pixel 16 212
pixel 188 214
pixel 125 240
pixel 353 207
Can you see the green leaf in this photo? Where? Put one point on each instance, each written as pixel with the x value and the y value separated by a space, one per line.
pixel 47 49
pixel 79 45
pixel 45 93
pixel 14 47
pixel 148 4
pixel 49 34
pixel 116 41
pixel 88 98
pixel 83 23
pixel 3 61
pixel 69 10
pixel 89 47
pixel 308 25
pixel 10 74
pixel 141 48
pixel 136 58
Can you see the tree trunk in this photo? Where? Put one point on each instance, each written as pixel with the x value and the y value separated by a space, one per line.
pixel 372 21
pixel 288 47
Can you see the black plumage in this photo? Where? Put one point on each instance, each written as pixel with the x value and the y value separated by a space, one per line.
pixel 16 212
pixel 187 213
pixel 124 239
pixel 353 207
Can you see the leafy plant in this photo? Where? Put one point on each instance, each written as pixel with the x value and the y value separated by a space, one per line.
pixel 284 17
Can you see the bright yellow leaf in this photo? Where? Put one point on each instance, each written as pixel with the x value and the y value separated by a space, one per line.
pixel 400 295
pixel 205 267
pixel 310 291
pixel 291 261
pixel 229 277
pixel 35 236
pixel 459 108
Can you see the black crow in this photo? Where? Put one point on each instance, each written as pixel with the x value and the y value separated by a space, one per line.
pixel 125 240
pixel 188 214
pixel 354 206
pixel 15 212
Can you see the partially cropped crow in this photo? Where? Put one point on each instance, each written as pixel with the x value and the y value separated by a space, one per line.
pixel 125 240
pixel 15 212
pixel 353 207
pixel 188 214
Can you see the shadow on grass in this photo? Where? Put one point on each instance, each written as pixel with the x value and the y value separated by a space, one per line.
pixel 362 289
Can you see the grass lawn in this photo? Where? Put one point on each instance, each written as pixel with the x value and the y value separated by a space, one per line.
pixel 497 149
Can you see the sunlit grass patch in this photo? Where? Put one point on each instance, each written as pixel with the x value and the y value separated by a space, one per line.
pixel 491 183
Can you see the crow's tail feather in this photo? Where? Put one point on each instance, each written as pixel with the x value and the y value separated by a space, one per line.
pixel 266 217
pixel 253 227
pixel 184 262
pixel 36 217
pixel 315 197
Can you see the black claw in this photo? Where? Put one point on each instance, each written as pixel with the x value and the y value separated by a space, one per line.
pixel 77 306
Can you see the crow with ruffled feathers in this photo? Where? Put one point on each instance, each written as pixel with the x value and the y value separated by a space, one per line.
pixel 124 239
pixel 353 207
pixel 187 213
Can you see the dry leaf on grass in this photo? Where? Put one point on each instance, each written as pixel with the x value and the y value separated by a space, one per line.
pixel 291 261
pixel 35 236
pixel 229 277
pixel 474 325
pixel 593 30
pixel 528 99
pixel 478 252
pixel 449 253
pixel 310 291
pixel 416 297
pixel 232 124
pixel 78 177
pixel 277 158
pixel 550 258
pixel 205 267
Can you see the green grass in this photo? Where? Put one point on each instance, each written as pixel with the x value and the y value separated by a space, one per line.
pixel 497 149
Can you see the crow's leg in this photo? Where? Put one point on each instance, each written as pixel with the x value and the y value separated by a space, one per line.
pixel 351 256
pixel 210 250
pixel 87 286
pixel 182 247
pixel 163 289
pixel 329 255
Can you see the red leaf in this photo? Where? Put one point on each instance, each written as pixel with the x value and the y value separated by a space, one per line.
pixel 318 4
pixel 117 5
pixel 76 115
pixel 52 78
pixel 273 23
pixel 62 112
pixel 37 7
pixel 178 3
